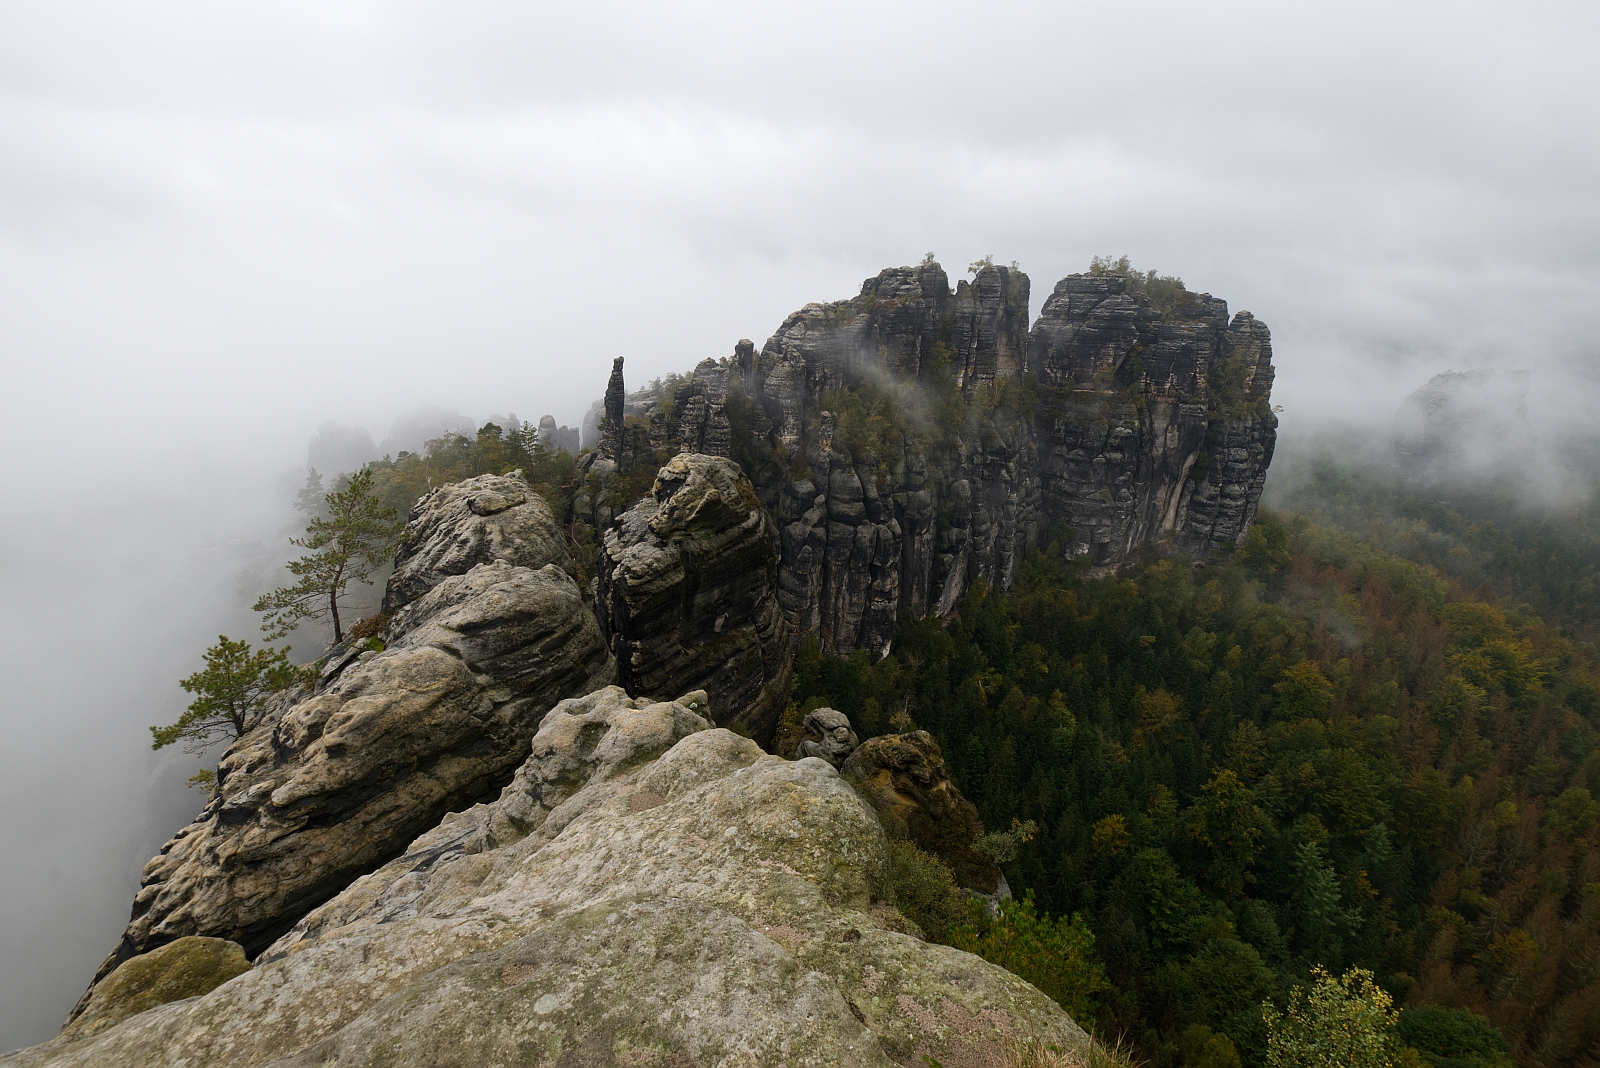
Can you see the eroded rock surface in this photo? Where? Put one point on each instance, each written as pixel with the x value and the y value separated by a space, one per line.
pixel 488 519
pixel 647 891
pixel 334 783
pixel 688 594
pixel 903 777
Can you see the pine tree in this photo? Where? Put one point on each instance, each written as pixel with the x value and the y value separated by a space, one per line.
pixel 354 539
pixel 231 694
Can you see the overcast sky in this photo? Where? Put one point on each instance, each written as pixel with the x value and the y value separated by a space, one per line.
pixel 224 223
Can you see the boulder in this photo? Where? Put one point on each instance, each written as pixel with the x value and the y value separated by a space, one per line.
pixel 488 519
pixel 903 778
pixel 688 594
pixel 647 891
pixel 336 782
pixel 828 736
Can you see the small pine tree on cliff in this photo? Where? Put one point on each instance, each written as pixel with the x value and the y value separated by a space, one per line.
pixel 350 542
pixel 230 694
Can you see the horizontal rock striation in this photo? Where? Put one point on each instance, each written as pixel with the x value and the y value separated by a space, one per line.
pixel 916 439
pixel 1151 423
pixel 646 891
pixel 336 782
pixel 687 594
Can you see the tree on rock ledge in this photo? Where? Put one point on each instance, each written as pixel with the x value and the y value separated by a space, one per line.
pixel 231 694
pixel 353 541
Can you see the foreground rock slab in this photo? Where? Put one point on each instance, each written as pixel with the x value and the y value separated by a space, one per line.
pixel 647 891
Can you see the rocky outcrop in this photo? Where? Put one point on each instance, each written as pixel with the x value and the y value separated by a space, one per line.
pixel 687 594
pixel 612 410
pixel 1155 423
pixel 827 736
pixel 903 777
pixel 647 891
pixel 487 634
pixel 488 519
pixel 558 439
pixel 915 439
pixel 1466 425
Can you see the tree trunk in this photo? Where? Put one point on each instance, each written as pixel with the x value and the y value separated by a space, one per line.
pixel 333 607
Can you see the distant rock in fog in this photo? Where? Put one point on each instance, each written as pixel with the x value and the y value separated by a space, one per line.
pixel 336 449
pixel 1465 425
pixel 411 431
pixel 559 438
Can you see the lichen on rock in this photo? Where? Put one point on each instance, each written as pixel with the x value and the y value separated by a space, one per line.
pixel 188 968
pixel 903 777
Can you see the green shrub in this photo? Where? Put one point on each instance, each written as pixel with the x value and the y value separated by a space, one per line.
pixel 1055 955
pixel 926 893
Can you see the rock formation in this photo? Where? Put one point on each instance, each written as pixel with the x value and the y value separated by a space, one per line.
pixel 915 439
pixel 488 519
pixel 615 399
pixel 687 594
pixel 562 438
pixel 1466 425
pixel 903 777
pixel 188 968
pixel 827 736
pixel 646 891
pixel 487 633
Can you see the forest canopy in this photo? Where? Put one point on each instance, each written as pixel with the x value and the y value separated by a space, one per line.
pixel 1317 754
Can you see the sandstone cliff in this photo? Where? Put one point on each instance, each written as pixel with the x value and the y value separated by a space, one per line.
pixel 646 891
pixel 916 438
pixel 489 631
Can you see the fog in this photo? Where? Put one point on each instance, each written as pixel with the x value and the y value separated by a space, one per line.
pixel 224 226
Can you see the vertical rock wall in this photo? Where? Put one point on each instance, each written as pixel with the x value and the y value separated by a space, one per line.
pixel 685 594
pixel 915 439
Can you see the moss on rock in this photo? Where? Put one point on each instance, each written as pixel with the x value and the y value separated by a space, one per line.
pixel 186 968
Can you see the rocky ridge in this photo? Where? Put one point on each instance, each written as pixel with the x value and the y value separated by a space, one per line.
pixel 1126 423
pixel 647 890
pixel 488 632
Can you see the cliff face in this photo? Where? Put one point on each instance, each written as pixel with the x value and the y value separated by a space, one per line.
pixel 646 891
pixel 916 438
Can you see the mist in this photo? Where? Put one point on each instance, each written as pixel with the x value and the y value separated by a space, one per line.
pixel 224 226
